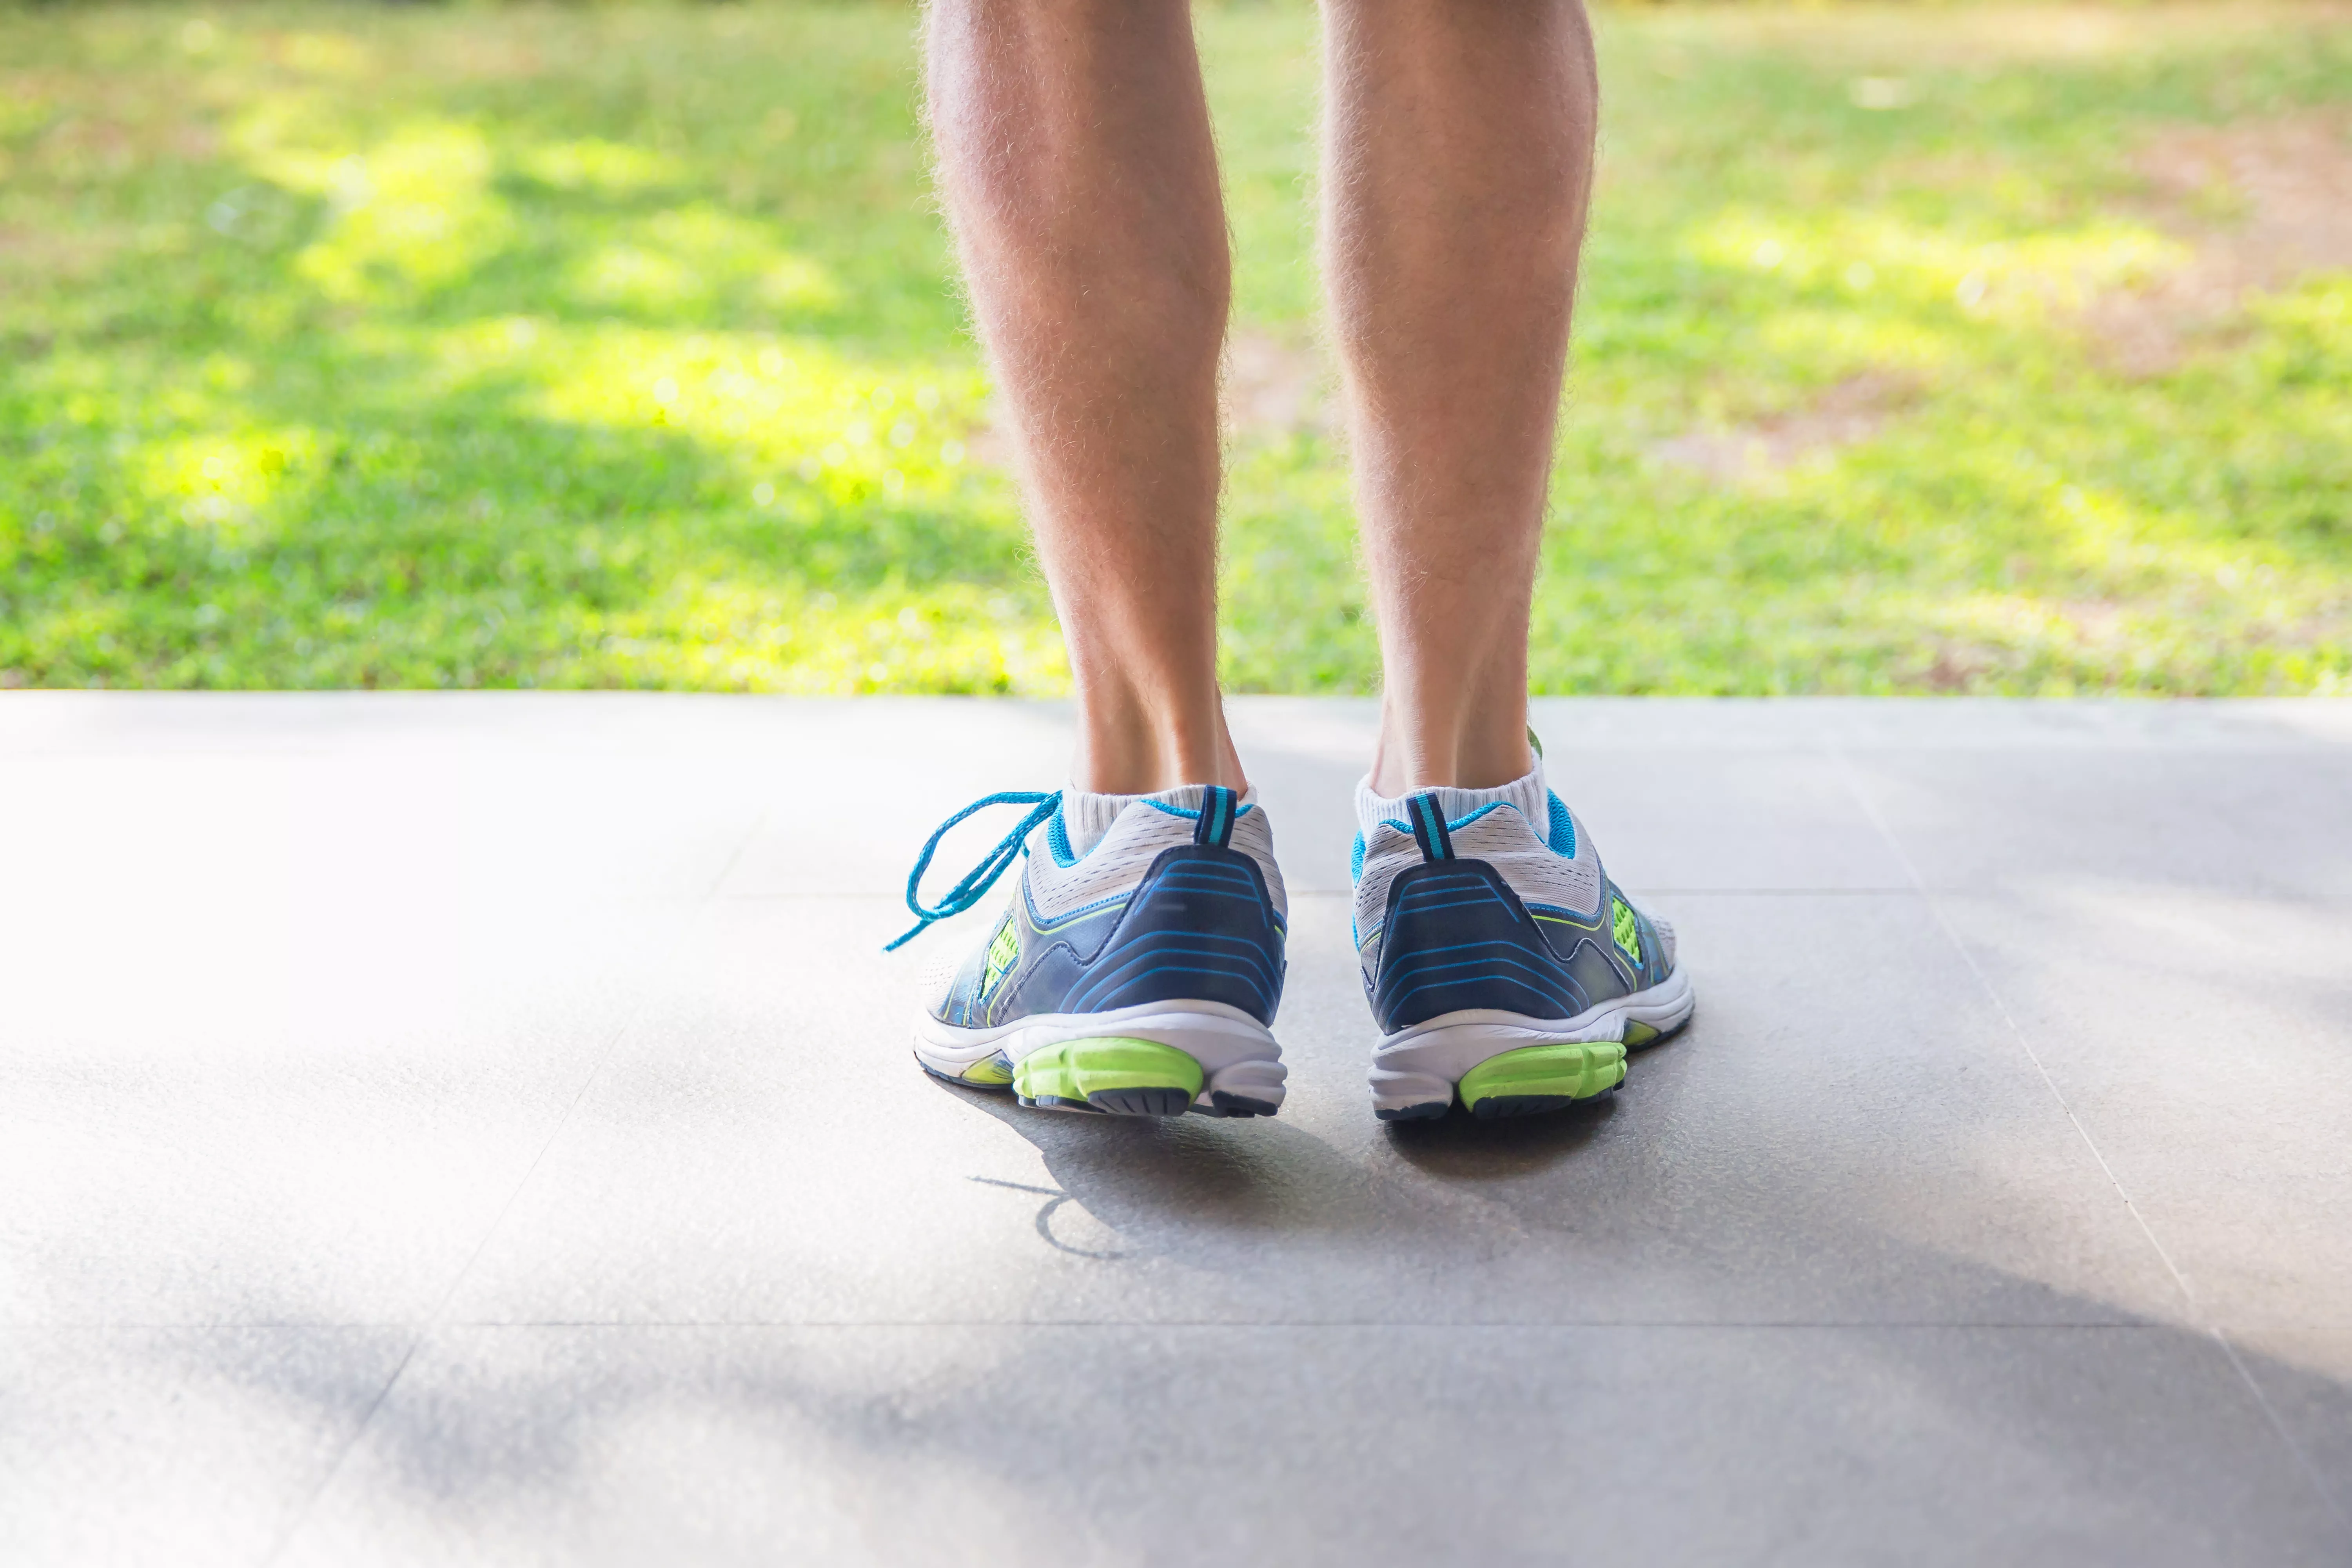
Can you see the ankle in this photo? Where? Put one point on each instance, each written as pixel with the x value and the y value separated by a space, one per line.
pixel 1130 752
pixel 1404 762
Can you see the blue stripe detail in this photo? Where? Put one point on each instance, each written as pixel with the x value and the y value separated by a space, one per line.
pixel 1216 817
pixel 1057 840
pixel 1457 937
pixel 1192 814
pixel 1200 925
pixel 1452 824
pixel 1562 839
pixel 1044 927
pixel 1429 828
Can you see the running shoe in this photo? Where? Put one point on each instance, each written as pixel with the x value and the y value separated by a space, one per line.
pixel 1138 976
pixel 1504 967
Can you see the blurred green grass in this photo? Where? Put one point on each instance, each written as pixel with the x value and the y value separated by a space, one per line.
pixel 620 347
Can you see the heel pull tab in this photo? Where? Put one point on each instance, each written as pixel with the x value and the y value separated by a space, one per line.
pixel 1215 828
pixel 1429 828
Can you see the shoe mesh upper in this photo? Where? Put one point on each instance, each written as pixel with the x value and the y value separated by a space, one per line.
pixel 1202 921
pixel 1503 838
pixel 1118 859
pixel 940 972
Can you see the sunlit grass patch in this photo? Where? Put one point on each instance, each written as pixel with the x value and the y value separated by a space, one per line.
pixel 620 347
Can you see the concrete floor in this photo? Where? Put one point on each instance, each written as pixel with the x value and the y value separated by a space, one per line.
pixel 453 1130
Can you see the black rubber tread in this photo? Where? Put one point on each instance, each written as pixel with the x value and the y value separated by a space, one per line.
pixel 1142 1100
pixel 1430 1111
pixel 1234 1105
pixel 1496 1106
pixel 1057 1102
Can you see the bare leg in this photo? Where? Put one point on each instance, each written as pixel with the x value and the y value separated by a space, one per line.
pixel 1458 166
pixel 1074 157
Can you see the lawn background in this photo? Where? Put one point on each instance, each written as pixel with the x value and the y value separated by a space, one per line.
pixel 414 346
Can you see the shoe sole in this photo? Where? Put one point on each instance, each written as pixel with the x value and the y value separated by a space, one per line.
pixel 1116 1076
pixel 1496 1064
pixel 1163 1058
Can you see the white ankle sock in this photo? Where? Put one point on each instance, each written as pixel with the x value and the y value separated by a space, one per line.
pixel 1530 794
pixel 1086 818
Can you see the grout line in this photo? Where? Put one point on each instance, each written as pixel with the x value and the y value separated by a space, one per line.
pixel 1693 1325
pixel 311 1499
pixel 498 1221
pixel 794 1325
pixel 2295 898
pixel 712 895
pixel 1652 889
pixel 434 1319
pixel 1984 982
pixel 2278 1424
pixel 1649 889
pixel 420 1325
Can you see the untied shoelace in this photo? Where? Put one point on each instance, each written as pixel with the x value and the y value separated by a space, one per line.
pixel 983 877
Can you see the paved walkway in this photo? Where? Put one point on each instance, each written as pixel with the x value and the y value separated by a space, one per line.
pixel 453 1130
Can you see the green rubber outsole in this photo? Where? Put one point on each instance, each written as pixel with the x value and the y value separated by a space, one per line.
pixel 1536 1078
pixel 1119 1076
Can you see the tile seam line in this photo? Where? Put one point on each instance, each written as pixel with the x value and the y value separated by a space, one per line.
pixel 712 894
pixel 2284 896
pixel 1219 1325
pixel 2001 1007
pixel 164 1326
pixel 1651 888
pixel 422 1331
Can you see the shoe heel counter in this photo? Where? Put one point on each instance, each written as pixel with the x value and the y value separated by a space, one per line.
pixel 1200 927
pixel 1456 936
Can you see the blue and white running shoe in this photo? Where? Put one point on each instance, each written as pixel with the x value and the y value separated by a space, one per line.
pixel 1138 976
pixel 1504 967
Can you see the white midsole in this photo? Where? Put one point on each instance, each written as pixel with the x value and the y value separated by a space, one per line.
pixel 1421 1065
pixel 1237 1054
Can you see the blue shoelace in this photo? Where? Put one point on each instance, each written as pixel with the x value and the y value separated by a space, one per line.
pixel 983 877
